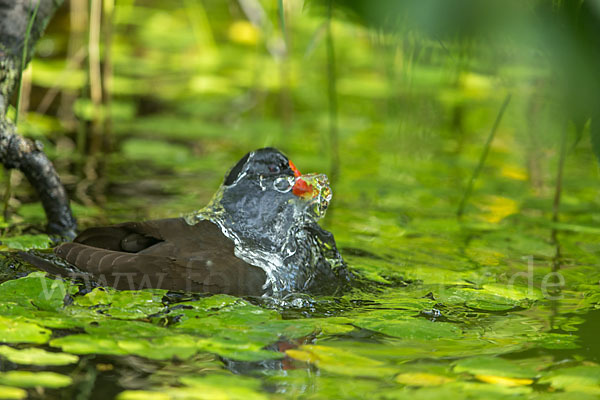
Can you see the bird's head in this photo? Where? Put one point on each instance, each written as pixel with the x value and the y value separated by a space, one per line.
pixel 264 195
pixel 265 181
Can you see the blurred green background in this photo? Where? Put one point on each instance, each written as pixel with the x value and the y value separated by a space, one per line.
pixel 166 91
pixel 144 105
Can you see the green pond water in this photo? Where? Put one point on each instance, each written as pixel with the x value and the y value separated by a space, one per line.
pixel 501 303
pixel 445 308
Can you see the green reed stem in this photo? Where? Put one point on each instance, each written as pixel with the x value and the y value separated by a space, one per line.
pixel 332 94
pixel 558 184
pixel 282 18
pixel 24 58
pixel 483 157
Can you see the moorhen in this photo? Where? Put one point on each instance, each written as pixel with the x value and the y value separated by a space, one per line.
pixel 257 236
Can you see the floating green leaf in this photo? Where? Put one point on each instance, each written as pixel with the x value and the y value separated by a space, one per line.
pixel 27 379
pixel 26 242
pixel 243 322
pixel 169 347
pixel 339 361
pixel 514 292
pixel 475 298
pixel 34 356
pixel 12 393
pixel 397 325
pixel 122 337
pixel 493 366
pixel 584 379
pixel 226 386
pixel 128 304
pixel 146 395
pixel 37 292
pixel 15 331
pixel 88 344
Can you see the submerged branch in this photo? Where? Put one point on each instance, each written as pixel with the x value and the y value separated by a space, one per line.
pixel 23 22
pixel 28 157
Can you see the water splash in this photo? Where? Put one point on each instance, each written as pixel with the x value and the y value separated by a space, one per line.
pixel 276 230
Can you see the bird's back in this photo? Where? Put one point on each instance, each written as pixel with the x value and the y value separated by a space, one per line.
pixel 167 253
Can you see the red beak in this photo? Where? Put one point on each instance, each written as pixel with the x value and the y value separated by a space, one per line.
pixel 301 188
pixel 294 169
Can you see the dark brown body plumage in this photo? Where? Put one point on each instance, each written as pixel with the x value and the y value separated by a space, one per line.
pixel 166 254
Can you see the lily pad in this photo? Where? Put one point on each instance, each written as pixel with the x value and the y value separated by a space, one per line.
pixel 392 324
pixel 159 348
pixel 36 292
pixel 126 304
pixel 169 347
pixel 476 298
pixel 225 386
pixel 28 379
pixel 15 331
pixel 422 379
pixel 26 242
pixel 144 395
pixel 238 349
pixel 12 393
pixel 242 325
pixel 339 361
pixel 585 379
pixel 34 356
pixel 514 292
pixel 494 366
pixel 300 383
pixel 88 344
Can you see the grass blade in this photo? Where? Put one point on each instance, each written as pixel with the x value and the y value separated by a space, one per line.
pixel 486 149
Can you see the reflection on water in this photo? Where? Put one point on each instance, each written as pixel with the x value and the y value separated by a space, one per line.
pixel 587 333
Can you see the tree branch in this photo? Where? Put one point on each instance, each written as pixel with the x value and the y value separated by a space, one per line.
pixel 16 151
